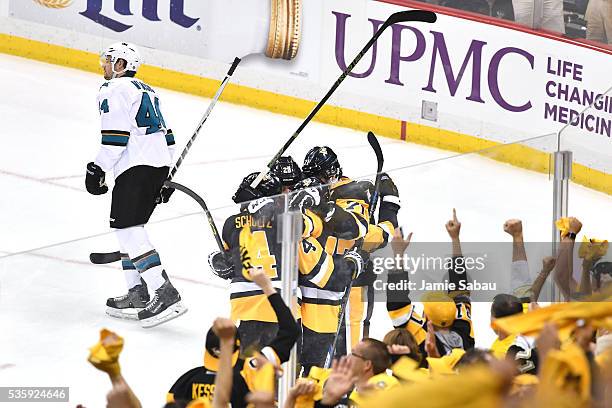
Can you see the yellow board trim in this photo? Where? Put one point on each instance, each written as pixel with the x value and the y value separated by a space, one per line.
pixel 521 156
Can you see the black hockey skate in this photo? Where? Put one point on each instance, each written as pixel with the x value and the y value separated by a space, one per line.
pixel 165 305
pixel 128 305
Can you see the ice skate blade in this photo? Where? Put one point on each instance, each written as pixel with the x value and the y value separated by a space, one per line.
pixel 172 312
pixel 124 314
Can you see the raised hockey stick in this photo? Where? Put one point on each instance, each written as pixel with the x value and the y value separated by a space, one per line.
pixel 109 257
pixel 379 160
pixel 345 298
pixel 212 104
pixel 399 17
pixel 199 200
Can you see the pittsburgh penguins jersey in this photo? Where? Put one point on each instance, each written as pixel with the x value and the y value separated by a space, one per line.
pixel 133 128
pixel 347 223
pixel 252 241
pixel 199 383
pixel 403 314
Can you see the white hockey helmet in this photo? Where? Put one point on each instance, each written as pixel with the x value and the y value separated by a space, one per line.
pixel 125 51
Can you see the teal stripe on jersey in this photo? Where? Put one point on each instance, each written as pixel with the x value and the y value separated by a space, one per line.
pixel 115 140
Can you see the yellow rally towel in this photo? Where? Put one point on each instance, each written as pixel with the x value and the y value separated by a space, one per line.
pixel 563 226
pixel 476 387
pixel 406 369
pixel 261 378
pixel 377 383
pixel 596 309
pixel 566 372
pixel 318 376
pixel 446 364
pixel 105 354
pixel 592 248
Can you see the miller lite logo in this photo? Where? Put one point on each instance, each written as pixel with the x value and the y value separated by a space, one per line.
pixel 122 7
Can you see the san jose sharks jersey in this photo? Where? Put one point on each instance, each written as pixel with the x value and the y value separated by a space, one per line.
pixel 133 128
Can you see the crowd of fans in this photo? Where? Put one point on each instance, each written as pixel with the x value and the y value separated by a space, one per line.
pixel 556 355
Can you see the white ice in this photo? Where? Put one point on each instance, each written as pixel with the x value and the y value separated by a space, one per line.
pixel 52 299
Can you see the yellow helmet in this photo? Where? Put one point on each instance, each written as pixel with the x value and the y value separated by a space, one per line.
pixel 439 308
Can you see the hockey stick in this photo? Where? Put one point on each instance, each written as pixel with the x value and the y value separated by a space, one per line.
pixel 212 104
pixel 379 160
pixel 104 257
pixel 199 200
pixel 401 16
pixel 345 298
pixel 109 257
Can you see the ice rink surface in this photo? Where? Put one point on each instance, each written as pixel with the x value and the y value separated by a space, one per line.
pixel 52 300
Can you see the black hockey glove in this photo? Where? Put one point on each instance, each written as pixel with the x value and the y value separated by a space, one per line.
pixel 387 186
pixel 357 258
pixel 94 179
pixel 221 264
pixel 310 193
pixel 164 195
pixel 306 198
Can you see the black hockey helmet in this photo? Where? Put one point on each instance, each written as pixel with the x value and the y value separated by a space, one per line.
pixel 287 170
pixel 269 186
pixel 322 163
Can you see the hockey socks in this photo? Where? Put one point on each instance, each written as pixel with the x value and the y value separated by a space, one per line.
pixel 132 276
pixel 150 269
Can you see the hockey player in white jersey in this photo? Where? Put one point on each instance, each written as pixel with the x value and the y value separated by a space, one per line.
pixel 137 147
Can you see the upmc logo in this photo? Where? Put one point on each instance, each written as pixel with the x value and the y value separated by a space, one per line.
pixel 149 11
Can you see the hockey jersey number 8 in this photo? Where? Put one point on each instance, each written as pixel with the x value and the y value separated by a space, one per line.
pixel 133 128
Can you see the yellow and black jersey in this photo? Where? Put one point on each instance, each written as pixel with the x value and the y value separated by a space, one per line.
pixel 378 236
pixel 405 315
pixel 199 383
pixel 322 294
pixel 253 243
pixel 319 305
pixel 352 200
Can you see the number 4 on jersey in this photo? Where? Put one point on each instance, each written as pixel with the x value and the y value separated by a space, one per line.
pixel 149 116
pixel 104 106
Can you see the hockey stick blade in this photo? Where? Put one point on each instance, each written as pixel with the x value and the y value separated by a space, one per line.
pixel 373 141
pixel 100 258
pixel 401 16
pixel 202 203
pixel 379 165
pixel 423 16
